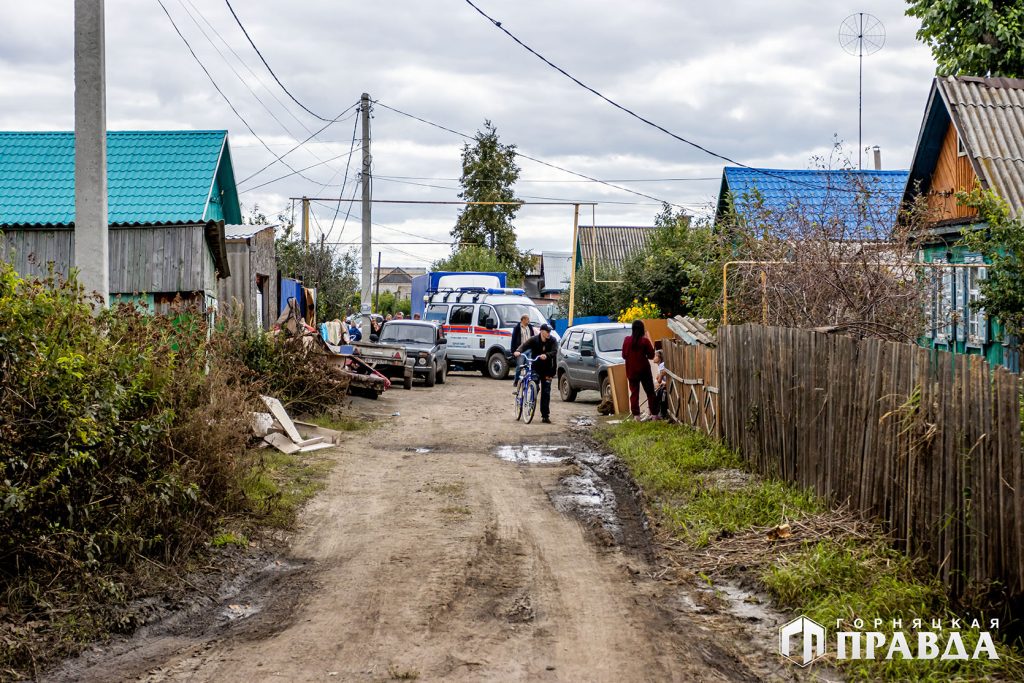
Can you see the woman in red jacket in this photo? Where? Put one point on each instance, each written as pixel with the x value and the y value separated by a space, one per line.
pixel 637 350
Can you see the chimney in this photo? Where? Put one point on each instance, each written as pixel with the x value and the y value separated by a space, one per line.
pixel 878 157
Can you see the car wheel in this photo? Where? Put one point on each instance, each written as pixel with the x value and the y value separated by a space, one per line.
pixel 432 376
pixel 442 373
pixel 497 366
pixel 565 388
pixel 606 388
pixel 407 382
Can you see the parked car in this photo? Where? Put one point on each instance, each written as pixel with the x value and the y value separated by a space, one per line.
pixel 584 355
pixel 425 345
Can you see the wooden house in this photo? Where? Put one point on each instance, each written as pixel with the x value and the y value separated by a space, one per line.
pixel 252 288
pixel 169 195
pixel 972 134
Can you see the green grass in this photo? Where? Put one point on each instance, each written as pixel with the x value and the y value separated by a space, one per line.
pixel 227 538
pixel 279 484
pixel 342 423
pixel 826 580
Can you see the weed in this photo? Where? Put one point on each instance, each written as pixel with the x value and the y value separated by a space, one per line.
pixel 448 488
pixel 278 484
pixel 227 538
pixel 342 423
pixel 456 511
pixel 399 674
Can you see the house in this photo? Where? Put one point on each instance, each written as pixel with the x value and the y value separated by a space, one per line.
pixel 252 288
pixel 972 133
pixel 608 247
pixel 169 195
pixel 855 205
pixel 397 281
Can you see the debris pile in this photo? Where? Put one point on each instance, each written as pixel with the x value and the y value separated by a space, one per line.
pixel 291 436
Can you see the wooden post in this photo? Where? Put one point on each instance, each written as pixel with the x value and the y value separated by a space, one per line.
pixel 572 271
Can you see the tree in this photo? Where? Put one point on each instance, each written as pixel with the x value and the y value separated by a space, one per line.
pixel 594 295
pixel 973 37
pixel 1001 243
pixel 678 270
pixel 489 172
pixel 317 265
pixel 471 257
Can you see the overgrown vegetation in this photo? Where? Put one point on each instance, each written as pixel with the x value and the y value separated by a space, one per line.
pixel 123 446
pixel 972 38
pixel 697 493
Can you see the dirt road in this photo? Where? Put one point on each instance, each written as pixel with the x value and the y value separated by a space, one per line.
pixel 429 557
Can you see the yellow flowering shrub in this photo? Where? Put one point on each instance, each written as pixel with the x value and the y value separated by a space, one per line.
pixel 639 311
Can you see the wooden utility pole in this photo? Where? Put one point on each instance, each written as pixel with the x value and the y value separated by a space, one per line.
pixel 376 297
pixel 91 256
pixel 572 270
pixel 367 265
pixel 305 220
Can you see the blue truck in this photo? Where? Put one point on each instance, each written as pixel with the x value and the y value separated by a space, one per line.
pixel 424 285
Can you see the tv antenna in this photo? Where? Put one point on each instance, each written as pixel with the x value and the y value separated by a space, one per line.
pixel 861 34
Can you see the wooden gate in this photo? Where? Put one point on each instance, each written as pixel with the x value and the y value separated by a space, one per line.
pixel 692 390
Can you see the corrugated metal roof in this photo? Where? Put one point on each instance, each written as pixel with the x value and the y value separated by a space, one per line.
pixel 612 245
pixel 826 195
pixel 989 117
pixel 153 177
pixel 244 232
pixel 556 268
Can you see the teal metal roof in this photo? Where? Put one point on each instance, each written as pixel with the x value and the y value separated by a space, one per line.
pixel 152 177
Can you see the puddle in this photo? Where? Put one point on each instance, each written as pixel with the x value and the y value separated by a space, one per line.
pixel 419 449
pixel 535 454
pixel 583 421
pixel 587 496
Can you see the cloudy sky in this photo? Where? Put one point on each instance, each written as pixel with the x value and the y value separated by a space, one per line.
pixel 765 83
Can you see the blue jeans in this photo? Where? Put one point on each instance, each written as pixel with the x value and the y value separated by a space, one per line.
pixel 520 362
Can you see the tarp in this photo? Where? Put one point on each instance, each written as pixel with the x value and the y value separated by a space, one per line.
pixel 562 325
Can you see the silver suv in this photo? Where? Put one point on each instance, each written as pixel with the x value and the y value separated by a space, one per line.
pixel 584 355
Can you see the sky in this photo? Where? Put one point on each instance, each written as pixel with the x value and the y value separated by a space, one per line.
pixel 764 83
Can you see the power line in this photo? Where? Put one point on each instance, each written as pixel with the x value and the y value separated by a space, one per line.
pixel 524 196
pixel 530 158
pixel 497 24
pixel 262 59
pixel 299 172
pixel 221 92
pixel 341 193
pixel 549 180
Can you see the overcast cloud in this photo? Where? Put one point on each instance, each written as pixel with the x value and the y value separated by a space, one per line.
pixel 765 83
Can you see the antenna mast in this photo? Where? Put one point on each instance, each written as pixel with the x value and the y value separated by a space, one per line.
pixel 861 34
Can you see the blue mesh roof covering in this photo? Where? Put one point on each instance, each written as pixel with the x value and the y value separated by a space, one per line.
pixel 152 176
pixel 824 194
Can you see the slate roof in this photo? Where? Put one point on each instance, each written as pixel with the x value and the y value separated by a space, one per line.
pixel 611 245
pixel 556 266
pixel 153 177
pixel 244 232
pixel 824 194
pixel 988 114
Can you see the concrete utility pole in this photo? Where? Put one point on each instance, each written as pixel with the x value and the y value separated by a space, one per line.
pixel 305 220
pixel 90 237
pixel 367 269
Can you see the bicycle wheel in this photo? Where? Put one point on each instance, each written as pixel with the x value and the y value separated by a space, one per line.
pixel 518 406
pixel 530 401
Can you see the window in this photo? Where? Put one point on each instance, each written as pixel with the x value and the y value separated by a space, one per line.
pixel 961 151
pixel 588 341
pixel 572 342
pixel 438 312
pixel 487 317
pixel 942 303
pixel 611 340
pixel 405 332
pixel 511 313
pixel 976 322
pixel 461 315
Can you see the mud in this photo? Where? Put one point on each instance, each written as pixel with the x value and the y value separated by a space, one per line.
pixel 457 544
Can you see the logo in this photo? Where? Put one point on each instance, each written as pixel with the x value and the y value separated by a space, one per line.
pixel 806 631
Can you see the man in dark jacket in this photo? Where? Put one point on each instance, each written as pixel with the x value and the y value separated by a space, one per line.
pixel 544 350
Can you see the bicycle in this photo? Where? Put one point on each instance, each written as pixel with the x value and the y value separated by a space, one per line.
pixel 527 391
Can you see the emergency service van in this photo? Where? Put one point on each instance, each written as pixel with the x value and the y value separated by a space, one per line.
pixel 478 323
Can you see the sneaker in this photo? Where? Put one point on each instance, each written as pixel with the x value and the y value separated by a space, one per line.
pixel 546 420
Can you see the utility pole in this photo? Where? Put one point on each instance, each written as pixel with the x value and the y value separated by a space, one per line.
pixel 572 272
pixel 305 220
pixel 364 105
pixel 91 256
pixel 376 297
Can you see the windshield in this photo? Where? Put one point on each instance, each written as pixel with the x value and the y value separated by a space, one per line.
pixel 436 312
pixel 511 313
pixel 611 340
pixel 417 334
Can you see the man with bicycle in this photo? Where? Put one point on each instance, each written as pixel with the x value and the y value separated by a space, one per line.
pixel 544 350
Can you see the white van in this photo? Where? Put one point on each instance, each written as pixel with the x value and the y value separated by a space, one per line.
pixel 478 322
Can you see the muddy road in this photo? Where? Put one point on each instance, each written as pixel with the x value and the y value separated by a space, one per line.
pixel 442 550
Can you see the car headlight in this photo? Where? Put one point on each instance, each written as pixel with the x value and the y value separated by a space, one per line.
pixel 421 361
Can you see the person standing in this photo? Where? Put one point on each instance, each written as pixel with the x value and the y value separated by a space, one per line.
pixel 638 351
pixel 520 333
pixel 544 350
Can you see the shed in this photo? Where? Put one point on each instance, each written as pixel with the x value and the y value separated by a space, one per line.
pixel 252 287
pixel 169 195
pixel 610 246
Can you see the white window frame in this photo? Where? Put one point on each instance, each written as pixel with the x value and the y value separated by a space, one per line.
pixel 975 321
pixel 942 297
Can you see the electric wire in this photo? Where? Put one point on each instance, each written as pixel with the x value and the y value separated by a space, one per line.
pixel 299 172
pixel 278 159
pixel 341 193
pixel 263 59
pixel 222 94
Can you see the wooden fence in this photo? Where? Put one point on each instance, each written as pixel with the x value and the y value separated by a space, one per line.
pixel 692 391
pixel 927 441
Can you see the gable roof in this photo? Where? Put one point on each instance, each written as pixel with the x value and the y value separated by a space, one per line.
pixel 556 267
pixel 244 232
pixel 153 177
pixel 988 114
pixel 829 194
pixel 611 245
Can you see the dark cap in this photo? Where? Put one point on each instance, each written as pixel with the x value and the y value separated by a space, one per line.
pixel 545 328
